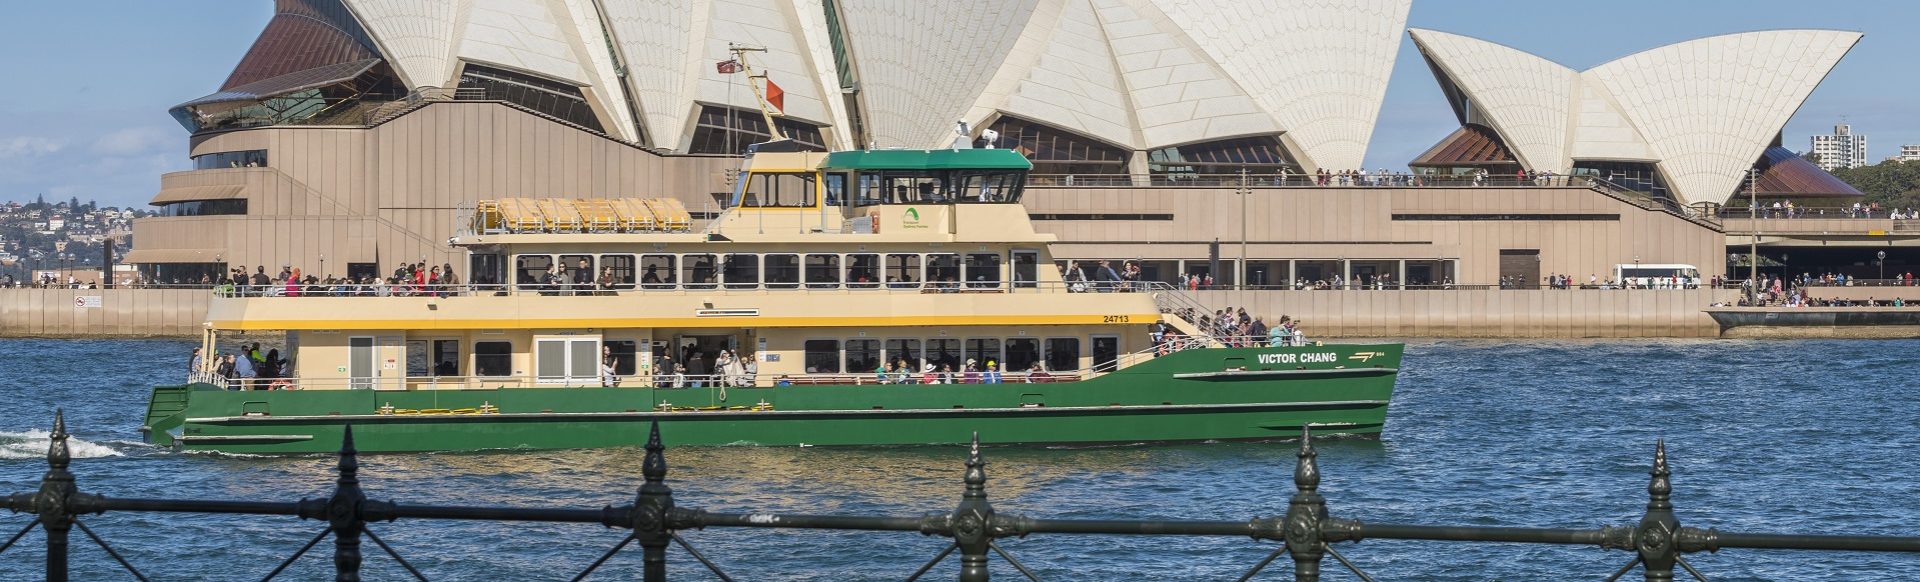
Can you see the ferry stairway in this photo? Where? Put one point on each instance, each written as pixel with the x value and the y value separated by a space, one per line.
pixel 1180 310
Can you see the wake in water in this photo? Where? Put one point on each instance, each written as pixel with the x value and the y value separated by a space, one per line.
pixel 33 444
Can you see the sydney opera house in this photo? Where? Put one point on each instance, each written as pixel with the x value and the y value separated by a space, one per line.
pixel 1188 136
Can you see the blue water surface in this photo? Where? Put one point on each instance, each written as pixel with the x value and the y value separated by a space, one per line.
pixel 1774 436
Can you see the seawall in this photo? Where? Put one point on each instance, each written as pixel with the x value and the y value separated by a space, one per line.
pixel 1480 313
pixel 102 312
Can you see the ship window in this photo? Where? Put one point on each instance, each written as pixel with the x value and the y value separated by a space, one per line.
pixel 863 271
pixel 531 271
pixel 943 269
pixel 982 350
pixel 697 271
pixel 944 352
pixel 903 271
pixel 1026 269
pixel 983 270
pixel 863 355
pixel 913 188
pixel 783 271
pixel 1021 354
pixel 872 191
pixel 823 271
pixel 1063 354
pixel 446 357
pixel 988 187
pixel 907 350
pixel 579 268
pixel 836 189
pixel 656 271
pixel 493 359
pixel 566 360
pixel 625 356
pixel 823 356
pixel 622 266
pixel 742 271
pixel 779 191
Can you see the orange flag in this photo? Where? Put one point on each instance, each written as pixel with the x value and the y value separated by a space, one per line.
pixel 776 97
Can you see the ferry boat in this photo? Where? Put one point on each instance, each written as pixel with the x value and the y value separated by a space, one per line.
pixel 895 297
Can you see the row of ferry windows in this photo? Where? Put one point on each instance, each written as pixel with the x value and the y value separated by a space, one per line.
pixel 863 356
pixel 776 271
pixel 494 358
pixel 798 190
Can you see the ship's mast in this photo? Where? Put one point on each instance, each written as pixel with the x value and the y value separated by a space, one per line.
pixel 759 96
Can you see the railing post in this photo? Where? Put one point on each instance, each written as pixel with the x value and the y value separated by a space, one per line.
pixel 1654 538
pixel 1305 512
pixel 59 500
pixel 651 509
pixel 343 512
pixel 971 519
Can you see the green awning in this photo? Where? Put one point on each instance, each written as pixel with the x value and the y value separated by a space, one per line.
pixel 983 159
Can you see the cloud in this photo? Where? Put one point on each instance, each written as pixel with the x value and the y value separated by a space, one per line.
pixel 134 141
pixel 29 146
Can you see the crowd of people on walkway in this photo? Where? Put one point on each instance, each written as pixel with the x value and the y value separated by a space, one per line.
pixel 409 279
pixel 1787 209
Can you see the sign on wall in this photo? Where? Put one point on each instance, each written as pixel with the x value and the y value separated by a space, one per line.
pixel 86 302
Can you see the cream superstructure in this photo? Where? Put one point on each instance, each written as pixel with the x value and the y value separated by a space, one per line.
pixel 831 286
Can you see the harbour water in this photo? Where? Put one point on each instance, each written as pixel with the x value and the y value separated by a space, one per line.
pixel 1764 436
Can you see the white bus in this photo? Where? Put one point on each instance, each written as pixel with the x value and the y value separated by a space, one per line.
pixel 1639 276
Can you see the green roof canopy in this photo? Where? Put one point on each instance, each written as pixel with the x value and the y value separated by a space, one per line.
pixel 986 159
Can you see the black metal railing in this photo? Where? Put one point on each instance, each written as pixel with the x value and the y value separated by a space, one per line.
pixel 1306 532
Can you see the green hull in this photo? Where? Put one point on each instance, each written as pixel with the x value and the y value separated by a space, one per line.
pixel 1195 395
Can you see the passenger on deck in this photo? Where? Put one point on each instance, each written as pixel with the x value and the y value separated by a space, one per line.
pixel 582 278
pixel 971 373
pixel 607 379
pixel 992 375
pixel 605 285
pixel 883 374
pixel 697 369
pixel 904 372
pixel 1038 374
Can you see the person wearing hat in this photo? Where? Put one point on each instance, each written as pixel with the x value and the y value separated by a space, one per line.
pixel 927 376
pixel 993 372
pixel 970 374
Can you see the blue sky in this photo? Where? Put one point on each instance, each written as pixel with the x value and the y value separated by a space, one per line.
pixel 88 83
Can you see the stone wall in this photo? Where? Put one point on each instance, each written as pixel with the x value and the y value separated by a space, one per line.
pixel 102 312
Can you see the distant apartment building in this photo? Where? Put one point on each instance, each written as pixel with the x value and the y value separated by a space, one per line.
pixel 1842 149
pixel 1909 153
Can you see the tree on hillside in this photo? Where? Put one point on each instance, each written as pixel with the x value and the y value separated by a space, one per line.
pixel 1890 183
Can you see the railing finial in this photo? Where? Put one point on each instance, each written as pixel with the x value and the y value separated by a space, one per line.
pixel 1306 472
pixel 976 478
pixel 654 468
pixel 1660 487
pixel 58 455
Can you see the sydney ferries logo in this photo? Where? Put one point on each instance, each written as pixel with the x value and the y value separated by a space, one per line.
pixel 911 219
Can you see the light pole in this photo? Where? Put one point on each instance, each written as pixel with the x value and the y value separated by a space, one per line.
pixel 1880 258
pixel 1240 278
pixel 1753 217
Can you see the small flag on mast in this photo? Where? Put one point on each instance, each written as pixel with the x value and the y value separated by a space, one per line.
pixel 728 67
pixel 776 97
